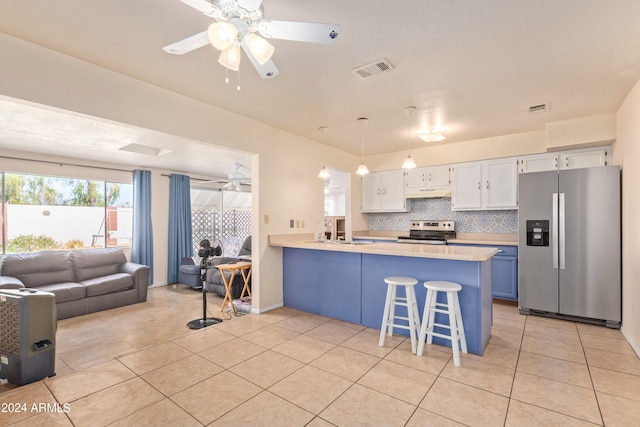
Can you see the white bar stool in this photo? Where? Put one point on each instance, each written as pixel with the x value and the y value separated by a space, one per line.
pixel 452 308
pixel 393 300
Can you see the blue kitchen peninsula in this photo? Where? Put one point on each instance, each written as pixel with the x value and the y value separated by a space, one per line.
pixel 346 281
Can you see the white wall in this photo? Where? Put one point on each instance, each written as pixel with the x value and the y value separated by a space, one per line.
pixel 430 154
pixel 284 171
pixel 626 152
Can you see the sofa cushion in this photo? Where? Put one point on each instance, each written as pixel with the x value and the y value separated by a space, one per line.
pixel 64 292
pixel 95 263
pixel 108 284
pixel 37 269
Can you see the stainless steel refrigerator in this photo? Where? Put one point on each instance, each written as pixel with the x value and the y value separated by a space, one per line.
pixel 569 244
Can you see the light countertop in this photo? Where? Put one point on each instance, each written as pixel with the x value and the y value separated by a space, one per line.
pixel 458 253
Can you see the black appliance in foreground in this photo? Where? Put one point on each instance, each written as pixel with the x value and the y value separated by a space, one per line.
pixel 429 232
pixel 206 251
pixel 27 335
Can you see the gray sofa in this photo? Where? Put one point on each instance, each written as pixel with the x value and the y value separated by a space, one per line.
pixel 190 274
pixel 83 281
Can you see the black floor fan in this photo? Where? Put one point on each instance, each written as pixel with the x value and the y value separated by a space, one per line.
pixel 204 253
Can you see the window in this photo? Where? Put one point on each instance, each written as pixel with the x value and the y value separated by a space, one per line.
pixel 219 215
pixel 44 212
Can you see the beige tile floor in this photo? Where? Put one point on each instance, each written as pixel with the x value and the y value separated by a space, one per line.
pixel 140 366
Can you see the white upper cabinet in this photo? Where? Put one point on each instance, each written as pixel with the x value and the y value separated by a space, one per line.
pixel 500 185
pixel 384 192
pixel 538 163
pixel 439 176
pixel 428 177
pixel 488 185
pixel 467 187
pixel 583 159
pixel 574 159
pixel 417 178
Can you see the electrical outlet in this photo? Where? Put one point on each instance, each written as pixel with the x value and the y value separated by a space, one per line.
pixel 266 218
pixel 633 308
pixel 291 222
pixel 297 223
pixel 302 223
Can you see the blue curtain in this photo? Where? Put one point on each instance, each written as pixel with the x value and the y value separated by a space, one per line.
pixel 142 241
pixel 180 232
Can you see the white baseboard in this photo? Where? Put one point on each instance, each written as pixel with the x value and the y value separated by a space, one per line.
pixel 265 309
pixel 634 345
pixel 158 284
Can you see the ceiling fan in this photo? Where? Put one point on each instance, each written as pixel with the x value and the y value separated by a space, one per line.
pixel 238 23
pixel 236 179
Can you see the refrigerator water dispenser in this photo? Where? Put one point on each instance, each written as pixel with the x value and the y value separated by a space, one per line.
pixel 538 232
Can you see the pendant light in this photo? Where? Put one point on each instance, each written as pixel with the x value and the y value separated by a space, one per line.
pixel 362 169
pixel 324 172
pixel 409 163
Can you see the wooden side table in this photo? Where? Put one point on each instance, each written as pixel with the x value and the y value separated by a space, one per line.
pixel 245 270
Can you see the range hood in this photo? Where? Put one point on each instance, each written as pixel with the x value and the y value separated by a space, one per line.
pixel 426 193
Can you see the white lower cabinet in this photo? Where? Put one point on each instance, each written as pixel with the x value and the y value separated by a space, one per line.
pixel 488 185
pixel 384 192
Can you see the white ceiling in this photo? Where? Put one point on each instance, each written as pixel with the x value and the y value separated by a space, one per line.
pixel 472 68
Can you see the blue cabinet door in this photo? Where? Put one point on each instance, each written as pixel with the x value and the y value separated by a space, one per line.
pixel 504 282
pixel 504 272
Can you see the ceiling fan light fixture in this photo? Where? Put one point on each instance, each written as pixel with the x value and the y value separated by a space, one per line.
pixel 230 57
pixel 261 49
pixel 222 34
pixel 431 136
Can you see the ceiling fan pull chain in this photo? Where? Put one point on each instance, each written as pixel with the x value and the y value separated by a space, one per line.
pixel 238 87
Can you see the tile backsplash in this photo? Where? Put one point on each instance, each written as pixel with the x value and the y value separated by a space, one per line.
pixel 498 222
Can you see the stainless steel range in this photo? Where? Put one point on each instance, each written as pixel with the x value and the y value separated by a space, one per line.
pixel 429 232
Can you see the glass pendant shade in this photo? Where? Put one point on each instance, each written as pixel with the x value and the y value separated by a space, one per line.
pixel 408 163
pixel 324 173
pixel 230 57
pixel 260 48
pixel 222 34
pixel 362 169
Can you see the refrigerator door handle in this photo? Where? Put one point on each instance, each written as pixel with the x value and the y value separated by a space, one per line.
pixel 561 242
pixel 554 230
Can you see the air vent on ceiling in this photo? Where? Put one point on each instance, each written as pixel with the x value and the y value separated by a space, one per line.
pixel 539 108
pixel 376 67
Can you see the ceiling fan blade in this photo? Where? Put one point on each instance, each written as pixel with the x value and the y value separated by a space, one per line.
pixel 266 70
pixel 187 45
pixel 250 4
pixel 312 32
pixel 202 5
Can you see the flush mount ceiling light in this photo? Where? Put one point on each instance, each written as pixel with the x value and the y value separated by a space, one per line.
pixel 324 172
pixel 238 23
pixel 431 136
pixel 362 169
pixel 409 163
